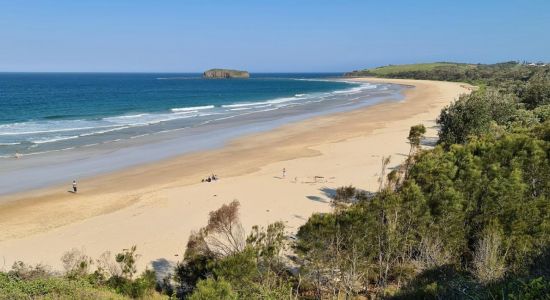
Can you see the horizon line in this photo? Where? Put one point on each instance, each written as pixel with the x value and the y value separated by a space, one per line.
pixel 167 72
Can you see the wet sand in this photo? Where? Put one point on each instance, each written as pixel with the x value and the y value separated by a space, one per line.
pixel 155 206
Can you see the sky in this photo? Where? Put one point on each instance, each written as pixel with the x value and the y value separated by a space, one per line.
pixel 265 36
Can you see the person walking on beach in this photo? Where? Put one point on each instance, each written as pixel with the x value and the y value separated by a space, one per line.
pixel 284 172
pixel 74 186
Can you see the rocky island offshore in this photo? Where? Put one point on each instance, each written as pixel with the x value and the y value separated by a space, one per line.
pixel 225 73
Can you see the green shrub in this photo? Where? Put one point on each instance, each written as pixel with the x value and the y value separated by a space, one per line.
pixel 471 115
pixel 51 288
pixel 138 288
pixel 542 113
pixel 208 289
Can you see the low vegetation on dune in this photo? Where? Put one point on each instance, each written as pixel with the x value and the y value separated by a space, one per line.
pixel 107 277
pixel 506 75
pixel 394 70
pixel 468 219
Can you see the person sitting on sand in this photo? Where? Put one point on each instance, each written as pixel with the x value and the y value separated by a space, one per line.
pixel 209 179
pixel 74 186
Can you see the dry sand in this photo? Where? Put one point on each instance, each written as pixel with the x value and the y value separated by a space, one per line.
pixel 156 206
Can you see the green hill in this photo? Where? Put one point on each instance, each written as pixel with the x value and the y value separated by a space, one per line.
pixel 478 74
pixel 398 69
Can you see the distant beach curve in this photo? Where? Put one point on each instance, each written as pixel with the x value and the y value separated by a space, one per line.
pixel 81 132
pixel 156 205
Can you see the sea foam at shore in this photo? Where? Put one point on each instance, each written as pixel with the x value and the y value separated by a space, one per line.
pixel 53 150
pixel 53 112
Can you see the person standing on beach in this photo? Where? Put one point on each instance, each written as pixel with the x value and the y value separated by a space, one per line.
pixel 284 172
pixel 74 186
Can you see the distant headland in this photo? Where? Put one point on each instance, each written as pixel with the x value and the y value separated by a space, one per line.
pixel 225 73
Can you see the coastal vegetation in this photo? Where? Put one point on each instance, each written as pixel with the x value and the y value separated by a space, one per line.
pixel 468 219
pixel 112 278
pixel 506 75
pixel 396 70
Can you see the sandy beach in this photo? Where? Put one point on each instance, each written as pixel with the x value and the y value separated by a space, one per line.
pixel 156 206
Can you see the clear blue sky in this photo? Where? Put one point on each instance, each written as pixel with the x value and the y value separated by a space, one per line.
pixel 266 36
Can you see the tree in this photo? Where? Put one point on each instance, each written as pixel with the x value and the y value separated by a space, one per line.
pixel 219 252
pixel 471 115
pixel 416 133
pixel 537 91
pixel 224 232
pixel 127 261
pixel 213 289
pixel 223 236
pixel 345 194
pixel 239 269
pixel 195 265
pixel 475 214
pixel 76 263
pixel 489 257
pixel 382 175
pixel 542 113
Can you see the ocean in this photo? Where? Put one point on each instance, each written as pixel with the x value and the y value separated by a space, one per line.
pixel 73 126
pixel 43 112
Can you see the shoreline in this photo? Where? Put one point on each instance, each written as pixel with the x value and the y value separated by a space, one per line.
pixel 61 166
pixel 155 206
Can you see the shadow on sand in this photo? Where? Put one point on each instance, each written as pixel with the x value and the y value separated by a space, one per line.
pixel 162 268
pixel 317 199
pixel 330 193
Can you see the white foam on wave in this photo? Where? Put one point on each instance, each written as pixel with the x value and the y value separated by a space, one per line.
pixel 146 119
pixel 270 109
pixel 50 131
pixel 241 104
pixel 355 90
pixel 41 132
pixel 104 131
pixel 141 119
pixel 40 152
pixel 36 127
pixel 53 139
pixel 269 102
pixel 59 126
pixel 265 105
pixel 9 144
pixel 138 136
pixel 195 108
pixel 130 116
pixel 314 79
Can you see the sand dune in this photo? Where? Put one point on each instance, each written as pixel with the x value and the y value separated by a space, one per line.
pixel 156 206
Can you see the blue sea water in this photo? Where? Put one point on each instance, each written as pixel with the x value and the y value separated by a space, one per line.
pixel 41 112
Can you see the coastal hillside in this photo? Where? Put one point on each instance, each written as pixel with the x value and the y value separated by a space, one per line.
pixel 394 70
pixel 225 73
pixel 449 71
pixel 466 219
pixel 275 150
